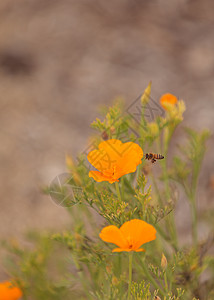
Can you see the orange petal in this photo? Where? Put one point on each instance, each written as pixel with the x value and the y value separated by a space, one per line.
pixel 127 250
pixel 113 154
pixel 140 250
pixel 129 161
pixel 122 249
pixel 99 177
pixel 168 99
pixel 112 234
pixel 9 291
pixel 138 232
pixel 106 156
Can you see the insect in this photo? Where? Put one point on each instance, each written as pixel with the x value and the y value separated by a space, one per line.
pixel 153 157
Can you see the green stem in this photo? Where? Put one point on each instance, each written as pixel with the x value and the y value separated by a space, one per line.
pixel 162 233
pixel 165 281
pixel 191 194
pixel 81 277
pixel 130 274
pixel 142 125
pixel 196 170
pixel 122 189
pixel 151 279
pixel 156 189
pixel 171 219
pixel 194 221
pixel 118 191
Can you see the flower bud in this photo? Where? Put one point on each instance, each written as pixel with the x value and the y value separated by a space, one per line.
pixel 163 262
pixel 146 95
pixel 69 161
pixel 153 128
pixel 108 268
pixel 71 166
pixel 168 101
pixel 115 280
pixel 104 135
pixel 112 130
pixel 78 237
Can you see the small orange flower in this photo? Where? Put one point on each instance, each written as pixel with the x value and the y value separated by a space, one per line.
pixel 114 159
pixel 168 99
pixel 130 236
pixel 9 292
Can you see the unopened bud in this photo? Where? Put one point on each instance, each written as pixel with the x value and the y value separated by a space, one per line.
pixel 193 267
pixel 69 161
pixel 112 129
pixel 71 166
pixel 104 135
pixel 78 237
pixel 153 128
pixel 163 262
pixel 146 95
pixel 115 280
pixel 108 269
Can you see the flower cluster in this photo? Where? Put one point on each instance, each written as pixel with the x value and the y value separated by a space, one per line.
pixel 139 219
pixel 114 159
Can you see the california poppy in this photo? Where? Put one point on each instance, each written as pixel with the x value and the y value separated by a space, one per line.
pixel 9 292
pixel 114 159
pixel 168 100
pixel 130 236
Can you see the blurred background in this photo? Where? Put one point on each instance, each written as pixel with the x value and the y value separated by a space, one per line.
pixel 61 59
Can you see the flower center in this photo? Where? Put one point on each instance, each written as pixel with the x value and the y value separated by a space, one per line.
pixel 130 242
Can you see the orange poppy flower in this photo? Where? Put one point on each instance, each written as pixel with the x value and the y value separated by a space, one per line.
pixel 130 236
pixel 114 159
pixel 168 99
pixel 9 292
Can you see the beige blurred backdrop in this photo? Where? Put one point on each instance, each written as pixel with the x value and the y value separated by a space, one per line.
pixel 61 59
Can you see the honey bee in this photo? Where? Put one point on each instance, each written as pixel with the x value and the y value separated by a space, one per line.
pixel 153 157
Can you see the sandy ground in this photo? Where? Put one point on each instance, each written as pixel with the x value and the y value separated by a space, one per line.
pixel 60 59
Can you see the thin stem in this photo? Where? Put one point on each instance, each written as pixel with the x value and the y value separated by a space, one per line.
pixel 191 194
pixel 156 189
pixel 165 281
pixel 122 188
pixel 150 278
pixel 130 274
pixel 162 233
pixel 171 219
pixel 81 277
pixel 196 170
pixel 118 191
pixel 194 221
pixel 142 125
